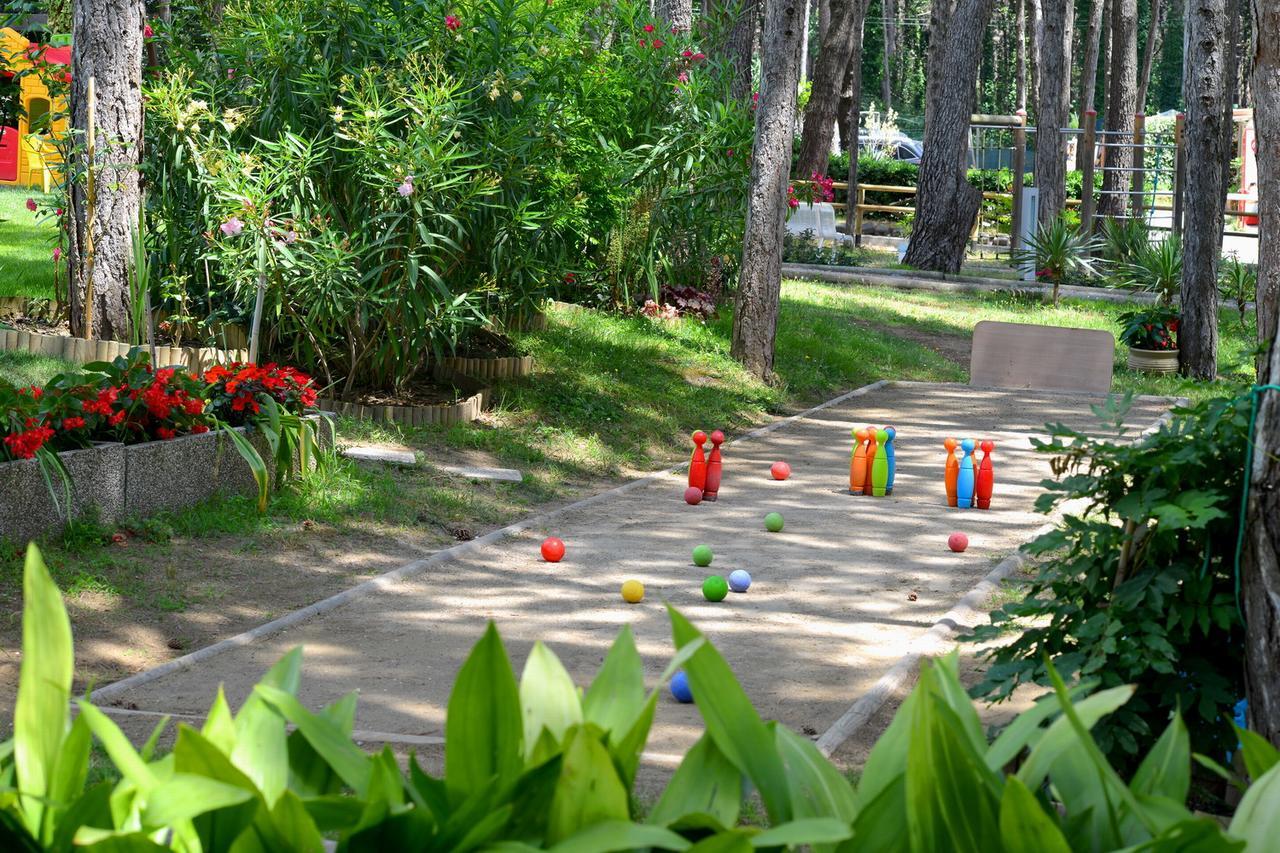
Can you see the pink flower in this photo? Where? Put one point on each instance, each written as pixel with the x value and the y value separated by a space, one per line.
pixel 793 202
pixel 231 72
pixel 290 237
pixel 657 43
pixel 682 77
pixel 31 205
pixel 686 53
pixel 57 254
pixel 147 32
pixel 406 188
pixel 729 153
pixel 231 227
pixel 643 43
pixel 452 23
pixel 58 212
pixel 675 30
pixel 698 57
pixel 648 28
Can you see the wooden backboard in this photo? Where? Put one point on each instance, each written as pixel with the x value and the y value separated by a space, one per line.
pixel 1050 358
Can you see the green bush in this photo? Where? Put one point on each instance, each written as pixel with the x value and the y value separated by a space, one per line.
pixel 1137 586
pixel 538 763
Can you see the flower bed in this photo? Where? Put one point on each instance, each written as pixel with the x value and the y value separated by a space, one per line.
pixel 80 351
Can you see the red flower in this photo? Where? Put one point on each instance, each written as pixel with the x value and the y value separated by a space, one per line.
pixel 73 423
pixel 164 433
pixel 31 205
pixel 199 429
pixel 452 22
pixel 687 54
pixel 657 43
pixel 115 419
pixel 698 57
pixel 643 43
pixel 648 28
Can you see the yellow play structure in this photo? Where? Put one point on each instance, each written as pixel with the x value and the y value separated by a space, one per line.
pixel 28 156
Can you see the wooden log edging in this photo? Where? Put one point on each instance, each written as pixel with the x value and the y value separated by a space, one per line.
pixel 80 351
pixel 470 375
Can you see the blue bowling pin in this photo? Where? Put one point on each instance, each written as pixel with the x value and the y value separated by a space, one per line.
pixel 888 448
pixel 965 483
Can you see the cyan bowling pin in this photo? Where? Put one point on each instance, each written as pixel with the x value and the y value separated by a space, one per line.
pixel 965 483
pixel 888 449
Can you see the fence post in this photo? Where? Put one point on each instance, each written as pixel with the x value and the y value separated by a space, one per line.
pixel 1138 180
pixel 1176 224
pixel 1089 120
pixel 1019 166
pixel 858 199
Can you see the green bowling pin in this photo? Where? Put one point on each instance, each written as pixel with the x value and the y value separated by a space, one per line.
pixel 880 467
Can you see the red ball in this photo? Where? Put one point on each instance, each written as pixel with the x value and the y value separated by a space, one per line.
pixel 780 470
pixel 693 496
pixel 552 549
pixel 957 542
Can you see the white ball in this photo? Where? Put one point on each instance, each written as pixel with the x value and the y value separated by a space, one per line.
pixel 739 581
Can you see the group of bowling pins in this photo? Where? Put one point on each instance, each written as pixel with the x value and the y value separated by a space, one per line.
pixel 705 469
pixel 969 482
pixel 871 465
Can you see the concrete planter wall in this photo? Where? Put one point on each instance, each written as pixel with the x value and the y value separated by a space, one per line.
pixel 1154 360
pixel 114 482
pixel 80 351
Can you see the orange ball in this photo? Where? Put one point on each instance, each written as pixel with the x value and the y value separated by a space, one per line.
pixel 780 470
pixel 552 549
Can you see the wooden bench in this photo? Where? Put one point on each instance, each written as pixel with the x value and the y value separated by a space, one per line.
pixel 1048 358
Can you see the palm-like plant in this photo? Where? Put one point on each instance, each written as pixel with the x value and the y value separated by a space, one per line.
pixel 1123 239
pixel 1239 283
pixel 1156 268
pixel 1059 251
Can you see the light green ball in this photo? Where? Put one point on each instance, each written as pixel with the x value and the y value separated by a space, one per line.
pixel 773 522
pixel 702 555
pixel 715 588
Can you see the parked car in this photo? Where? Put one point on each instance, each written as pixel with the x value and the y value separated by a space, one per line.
pixel 892 147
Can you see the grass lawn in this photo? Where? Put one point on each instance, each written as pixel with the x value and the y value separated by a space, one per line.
pixel 611 396
pixel 24 368
pixel 26 246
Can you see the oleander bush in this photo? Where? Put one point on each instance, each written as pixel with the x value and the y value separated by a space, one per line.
pixel 538 763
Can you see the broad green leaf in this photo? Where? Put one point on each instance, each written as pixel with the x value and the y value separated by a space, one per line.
pixel 93 840
pixel 219 726
pixel 44 688
pixel 149 748
pixel 123 756
pixel 483 725
pixel 732 721
pixel 183 796
pixel 879 827
pixel 1257 818
pixel 611 835
pixel 887 761
pixel 548 697
pixel 1166 770
pixel 1200 835
pixel 530 801
pixel 1088 799
pixel 1024 825
pixel 261 740
pixel 705 783
pixel 948 686
pixel 69 775
pixel 93 808
pixel 325 737
pixel 818 788
pixel 628 748
pixel 729 841
pixel 588 790
pixel 616 696
pixel 1061 736
pixel 287 828
pixel 803 831
pixel 1259 755
pixel 1026 726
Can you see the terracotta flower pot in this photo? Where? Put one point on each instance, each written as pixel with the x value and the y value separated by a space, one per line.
pixel 1154 360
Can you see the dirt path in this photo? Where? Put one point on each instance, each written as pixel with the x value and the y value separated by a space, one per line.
pixel 838 596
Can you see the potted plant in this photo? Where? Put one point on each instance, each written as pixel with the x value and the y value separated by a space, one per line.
pixel 1152 337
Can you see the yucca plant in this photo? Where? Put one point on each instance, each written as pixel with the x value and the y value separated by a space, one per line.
pixel 1122 239
pixel 1239 283
pixel 1155 268
pixel 1057 251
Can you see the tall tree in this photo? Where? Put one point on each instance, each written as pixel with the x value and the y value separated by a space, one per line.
pixel 848 112
pixel 1034 37
pixel 738 48
pixel 946 203
pixel 1260 575
pixel 755 316
pixel 804 42
pixel 889 11
pixel 1089 65
pixel 1020 54
pixel 842 46
pixel 675 13
pixel 1122 103
pixel 1053 108
pixel 1204 193
pixel 1155 35
pixel 107 49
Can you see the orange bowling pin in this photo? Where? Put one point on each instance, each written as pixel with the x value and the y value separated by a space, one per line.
pixel 952 476
pixel 858 462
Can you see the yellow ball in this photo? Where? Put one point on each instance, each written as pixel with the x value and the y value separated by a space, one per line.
pixel 633 592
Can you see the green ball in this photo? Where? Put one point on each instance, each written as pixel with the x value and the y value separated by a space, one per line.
pixel 702 555
pixel 773 522
pixel 715 588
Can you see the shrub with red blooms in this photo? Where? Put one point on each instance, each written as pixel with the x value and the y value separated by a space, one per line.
pixel 235 391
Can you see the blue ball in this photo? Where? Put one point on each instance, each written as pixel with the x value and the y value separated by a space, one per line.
pixel 739 581
pixel 680 687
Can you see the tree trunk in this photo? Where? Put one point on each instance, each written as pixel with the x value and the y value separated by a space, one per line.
pixel 107 48
pixel 1122 103
pixel 1204 193
pixel 1020 82
pixel 1260 575
pixel 755 316
pixel 1089 66
pixel 842 46
pixel 1053 108
pixel 677 14
pixel 1235 11
pixel 946 203
pixel 889 11
pixel 805 58
pixel 1155 35
pixel 740 43
pixel 849 112
pixel 1035 35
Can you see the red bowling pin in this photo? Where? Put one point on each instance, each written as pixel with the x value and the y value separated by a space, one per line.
pixel 698 464
pixel 986 476
pixel 712 488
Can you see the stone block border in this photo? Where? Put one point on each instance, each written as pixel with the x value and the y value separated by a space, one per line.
pixel 80 351
pixel 469 375
pixel 113 482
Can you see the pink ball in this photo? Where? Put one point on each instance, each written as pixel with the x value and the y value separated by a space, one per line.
pixel 780 470
pixel 693 496
pixel 957 542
